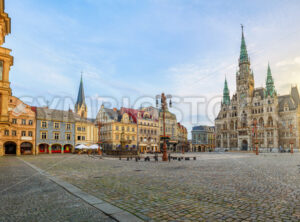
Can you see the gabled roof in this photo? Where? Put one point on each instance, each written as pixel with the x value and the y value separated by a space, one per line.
pixel 291 100
pixel 286 99
pixel 133 113
pixel 260 91
pixel 44 113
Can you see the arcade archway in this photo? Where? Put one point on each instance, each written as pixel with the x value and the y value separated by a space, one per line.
pixel 43 148
pixel 68 148
pixel 245 145
pixel 26 148
pixel 10 148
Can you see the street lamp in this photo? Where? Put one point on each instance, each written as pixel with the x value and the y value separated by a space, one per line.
pixel 164 107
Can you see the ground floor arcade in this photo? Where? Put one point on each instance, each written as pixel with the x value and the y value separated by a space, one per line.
pixel 45 148
pixel 17 148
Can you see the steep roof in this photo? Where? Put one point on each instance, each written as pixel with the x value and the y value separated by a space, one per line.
pixel 112 114
pixel 243 53
pixel 199 128
pixel 291 100
pixel 133 113
pixel 260 91
pixel 44 113
pixel 80 97
pixel 226 96
pixel 286 99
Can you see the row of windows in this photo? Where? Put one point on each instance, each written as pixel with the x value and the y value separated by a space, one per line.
pixel 56 136
pixel 148 131
pixel 148 124
pixel 128 137
pixel 144 139
pixel 128 128
pixel 14 133
pixel 23 122
pixel 167 129
pixel 56 125
pixel 82 138
pixel 81 128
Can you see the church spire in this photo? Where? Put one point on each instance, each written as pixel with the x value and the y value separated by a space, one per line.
pixel 243 54
pixel 270 88
pixel 226 96
pixel 80 107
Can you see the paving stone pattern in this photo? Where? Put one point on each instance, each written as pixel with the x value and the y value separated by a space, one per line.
pixel 25 195
pixel 215 187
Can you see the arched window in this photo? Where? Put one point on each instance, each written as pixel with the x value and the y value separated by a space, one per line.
pixel 270 121
pixel 261 122
pixel 231 125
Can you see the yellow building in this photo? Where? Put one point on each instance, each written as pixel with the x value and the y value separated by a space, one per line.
pixel 118 130
pixel 86 131
pixel 17 120
pixel 147 129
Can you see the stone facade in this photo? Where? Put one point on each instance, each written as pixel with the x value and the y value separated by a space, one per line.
pixel 203 138
pixel 257 115
pixel 55 131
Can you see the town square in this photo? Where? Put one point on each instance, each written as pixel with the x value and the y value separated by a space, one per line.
pixel 149 111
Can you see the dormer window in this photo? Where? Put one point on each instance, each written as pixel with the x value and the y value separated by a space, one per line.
pixel 286 107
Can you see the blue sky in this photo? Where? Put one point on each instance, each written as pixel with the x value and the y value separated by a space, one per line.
pixel 135 49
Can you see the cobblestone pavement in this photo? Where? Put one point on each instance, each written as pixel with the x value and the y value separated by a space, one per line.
pixel 25 195
pixel 216 187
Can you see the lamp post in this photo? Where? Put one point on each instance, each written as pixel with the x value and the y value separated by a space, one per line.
pixel 291 134
pixel 164 107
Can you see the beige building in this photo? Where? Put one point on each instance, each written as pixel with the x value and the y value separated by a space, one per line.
pixel 257 114
pixel 182 138
pixel 148 129
pixel 86 131
pixel 118 130
pixel 171 129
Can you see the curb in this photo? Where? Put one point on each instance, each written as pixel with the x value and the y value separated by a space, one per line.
pixel 108 209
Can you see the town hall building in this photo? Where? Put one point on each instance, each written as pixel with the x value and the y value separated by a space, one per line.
pixel 257 115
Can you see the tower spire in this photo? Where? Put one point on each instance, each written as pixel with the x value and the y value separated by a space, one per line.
pixel 80 107
pixel 243 53
pixel 226 96
pixel 270 88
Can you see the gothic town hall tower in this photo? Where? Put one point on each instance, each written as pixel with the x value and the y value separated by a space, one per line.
pixel 257 115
